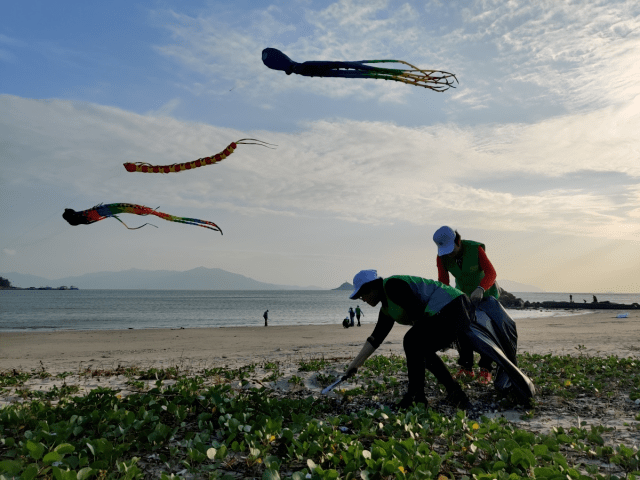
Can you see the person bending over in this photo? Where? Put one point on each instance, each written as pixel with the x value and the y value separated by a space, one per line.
pixel 438 315
pixel 467 261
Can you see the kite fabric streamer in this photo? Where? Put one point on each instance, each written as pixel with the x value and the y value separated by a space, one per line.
pixel 100 212
pixel 436 80
pixel 201 162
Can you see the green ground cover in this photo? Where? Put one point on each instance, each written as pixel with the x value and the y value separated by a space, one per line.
pixel 192 430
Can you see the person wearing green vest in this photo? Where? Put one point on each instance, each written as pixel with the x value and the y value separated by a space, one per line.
pixel 438 315
pixel 467 261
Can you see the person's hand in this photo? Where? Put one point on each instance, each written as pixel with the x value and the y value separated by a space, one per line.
pixel 350 373
pixel 476 295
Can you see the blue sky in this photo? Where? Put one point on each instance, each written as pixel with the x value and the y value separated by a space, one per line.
pixel 535 153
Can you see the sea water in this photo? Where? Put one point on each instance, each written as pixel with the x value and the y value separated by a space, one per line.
pixel 51 310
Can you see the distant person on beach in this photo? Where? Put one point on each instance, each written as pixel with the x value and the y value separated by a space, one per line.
pixel 595 300
pixel 345 322
pixel 352 314
pixel 467 261
pixel 266 317
pixel 571 298
pixel 438 315
pixel 358 313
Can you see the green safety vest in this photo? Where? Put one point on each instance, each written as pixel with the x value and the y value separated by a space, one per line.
pixel 433 295
pixel 469 276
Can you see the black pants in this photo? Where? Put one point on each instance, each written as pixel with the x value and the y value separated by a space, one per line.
pixel 428 335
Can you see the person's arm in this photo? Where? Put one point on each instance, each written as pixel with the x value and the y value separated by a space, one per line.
pixel 443 274
pixel 380 332
pixel 486 266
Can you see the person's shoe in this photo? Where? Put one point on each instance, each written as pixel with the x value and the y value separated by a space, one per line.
pixel 464 373
pixel 458 399
pixel 484 376
pixel 409 399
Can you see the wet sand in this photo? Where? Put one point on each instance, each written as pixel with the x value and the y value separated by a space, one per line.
pixel 597 333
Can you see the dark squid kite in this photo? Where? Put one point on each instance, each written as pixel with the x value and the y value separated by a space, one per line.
pixel 436 80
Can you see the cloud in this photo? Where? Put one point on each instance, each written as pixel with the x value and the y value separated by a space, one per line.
pixel 579 53
pixel 226 51
pixel 4 39
pixel 532 55
pixel 166 109
pixel 5 54
pixel 366 172
pixel 8 251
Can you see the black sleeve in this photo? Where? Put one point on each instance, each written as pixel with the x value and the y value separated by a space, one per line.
pixel 400 293
pixel 383 327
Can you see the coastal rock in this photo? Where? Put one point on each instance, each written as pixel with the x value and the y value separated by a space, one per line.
pixel 344 286
pixel 509 300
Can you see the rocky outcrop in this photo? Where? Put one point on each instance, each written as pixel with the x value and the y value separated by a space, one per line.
pixel 509 300
pixel 344 286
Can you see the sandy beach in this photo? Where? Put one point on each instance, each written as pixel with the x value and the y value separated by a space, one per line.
pixel 597 333
pixel 90 360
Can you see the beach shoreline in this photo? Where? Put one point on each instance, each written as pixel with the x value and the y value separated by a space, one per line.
pixel 594 333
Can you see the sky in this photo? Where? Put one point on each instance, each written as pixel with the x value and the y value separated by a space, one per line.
pixel 535 153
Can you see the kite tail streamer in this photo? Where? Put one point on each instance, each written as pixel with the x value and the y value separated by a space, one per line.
pixel 201 162
pixel 100 212
pixel 437 80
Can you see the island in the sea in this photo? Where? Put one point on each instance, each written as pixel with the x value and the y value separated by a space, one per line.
pixel 5 284
pixel 344 286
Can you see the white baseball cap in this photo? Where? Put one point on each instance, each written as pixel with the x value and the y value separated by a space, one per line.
pixel 362 277
pixel 445 240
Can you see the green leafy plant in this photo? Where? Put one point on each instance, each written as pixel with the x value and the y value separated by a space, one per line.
pixel 214 431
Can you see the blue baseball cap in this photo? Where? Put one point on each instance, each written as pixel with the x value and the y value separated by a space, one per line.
pixel 362 277
pixel 445 240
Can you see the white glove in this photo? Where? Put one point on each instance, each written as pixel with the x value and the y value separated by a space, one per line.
pixel 476 295
pixel 367 350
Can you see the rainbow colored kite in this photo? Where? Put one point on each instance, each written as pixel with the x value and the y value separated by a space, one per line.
pixel 100 212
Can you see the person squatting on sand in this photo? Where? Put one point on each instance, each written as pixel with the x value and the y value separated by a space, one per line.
pixel 467 261
pixel 439 314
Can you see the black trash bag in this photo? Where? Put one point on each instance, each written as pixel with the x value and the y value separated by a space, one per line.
pixel 503 325
pixel 494 335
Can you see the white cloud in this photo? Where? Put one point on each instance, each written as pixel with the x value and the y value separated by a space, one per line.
pixel 166 109
pixel 581 53
pixel 370 172
pixel 9 251
pixel 547 54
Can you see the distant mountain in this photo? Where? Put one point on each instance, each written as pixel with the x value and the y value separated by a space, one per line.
pixel 25 281
pixel 511 286
pixel 200 278
pixel 344 286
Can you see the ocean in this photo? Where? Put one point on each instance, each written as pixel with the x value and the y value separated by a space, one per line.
pixel 51 310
